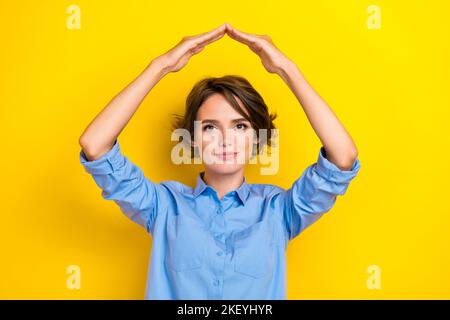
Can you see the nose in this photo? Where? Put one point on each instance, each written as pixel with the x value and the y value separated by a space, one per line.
pixel 227 138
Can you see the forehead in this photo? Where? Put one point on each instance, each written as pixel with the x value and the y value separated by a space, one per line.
pixel 217 107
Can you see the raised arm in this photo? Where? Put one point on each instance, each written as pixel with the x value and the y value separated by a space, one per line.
pixel 99 136
pixel 339 146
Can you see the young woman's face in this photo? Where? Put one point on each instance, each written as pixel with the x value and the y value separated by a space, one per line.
pixel 226 137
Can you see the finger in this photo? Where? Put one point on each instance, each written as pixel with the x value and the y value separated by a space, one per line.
pixel 205 38
pixel 206 42
pixel 241 36
pixel 209 35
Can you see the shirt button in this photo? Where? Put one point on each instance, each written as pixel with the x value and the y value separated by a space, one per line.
pixel 219 253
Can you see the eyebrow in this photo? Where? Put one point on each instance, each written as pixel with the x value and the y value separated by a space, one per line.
pixel 216 121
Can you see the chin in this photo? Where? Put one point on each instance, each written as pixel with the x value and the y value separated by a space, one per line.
pixel 224 168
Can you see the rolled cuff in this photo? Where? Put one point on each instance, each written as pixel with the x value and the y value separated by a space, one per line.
pixel 331 172
pixel 107 163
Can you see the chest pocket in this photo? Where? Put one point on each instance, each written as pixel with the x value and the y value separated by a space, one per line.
pixel 186 243
pixel 255 250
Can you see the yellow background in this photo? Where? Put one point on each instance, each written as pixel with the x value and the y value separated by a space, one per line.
pixel 389 87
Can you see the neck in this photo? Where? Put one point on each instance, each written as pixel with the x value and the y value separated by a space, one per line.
pixel 224 183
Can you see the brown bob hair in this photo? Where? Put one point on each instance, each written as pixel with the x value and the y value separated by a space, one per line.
pixel 230 87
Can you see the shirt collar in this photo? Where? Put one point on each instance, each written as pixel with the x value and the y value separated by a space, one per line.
pixel 242 192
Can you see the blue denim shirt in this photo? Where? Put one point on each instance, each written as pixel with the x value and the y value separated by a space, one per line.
pixel 206 248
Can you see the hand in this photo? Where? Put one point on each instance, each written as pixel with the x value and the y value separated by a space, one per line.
pixel 271 57
pixel 177 57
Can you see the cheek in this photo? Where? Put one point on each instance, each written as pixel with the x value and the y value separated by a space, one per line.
pixel 209 138
pixel 243 144
pixel 248 140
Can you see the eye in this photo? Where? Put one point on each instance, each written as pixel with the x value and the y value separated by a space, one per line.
pixel 208 126
pixel 241 126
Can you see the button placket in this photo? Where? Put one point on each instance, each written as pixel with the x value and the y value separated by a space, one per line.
pixel 219 209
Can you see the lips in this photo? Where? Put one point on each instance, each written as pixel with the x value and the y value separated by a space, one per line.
pixel 226 155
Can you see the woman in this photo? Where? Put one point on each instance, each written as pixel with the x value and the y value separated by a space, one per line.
pixel 224 238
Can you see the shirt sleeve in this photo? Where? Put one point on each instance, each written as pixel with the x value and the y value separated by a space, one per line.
pixel 124 182
pixel 314 193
